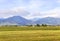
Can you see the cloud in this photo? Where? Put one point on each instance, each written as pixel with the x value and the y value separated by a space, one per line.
pixel 30 8
pixel 50 13
pixel 20 11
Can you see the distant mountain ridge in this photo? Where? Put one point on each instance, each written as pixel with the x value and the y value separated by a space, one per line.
pixel 15 20
pixel 48 20
pixel 18 20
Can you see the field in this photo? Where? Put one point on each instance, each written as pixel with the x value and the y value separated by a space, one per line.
pixel 29 33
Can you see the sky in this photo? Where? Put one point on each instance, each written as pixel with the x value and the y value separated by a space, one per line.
pixel 30 8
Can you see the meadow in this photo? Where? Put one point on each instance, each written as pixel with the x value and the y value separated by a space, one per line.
pixel 29 33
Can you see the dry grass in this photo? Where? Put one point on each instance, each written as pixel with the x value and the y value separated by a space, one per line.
pixel 35 35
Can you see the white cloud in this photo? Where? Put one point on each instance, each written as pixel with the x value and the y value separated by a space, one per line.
pixel 50 13
pixel 35 8
pixel 17 11
pixel 21 11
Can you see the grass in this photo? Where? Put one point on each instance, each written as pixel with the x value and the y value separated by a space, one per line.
pixel 21 28
pixel 25 33
pixel 36 35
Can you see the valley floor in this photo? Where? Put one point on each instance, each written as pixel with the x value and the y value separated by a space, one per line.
pixel 29 35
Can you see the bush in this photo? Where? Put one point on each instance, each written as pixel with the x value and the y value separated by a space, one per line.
pixel 37 25
pixel 44 24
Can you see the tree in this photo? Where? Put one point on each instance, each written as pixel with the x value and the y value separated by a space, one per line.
pixel 44 25
pixel 38 25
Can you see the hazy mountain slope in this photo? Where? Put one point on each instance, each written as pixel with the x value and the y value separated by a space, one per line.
pixel 15 20
pixel 18 20
pixel 48 20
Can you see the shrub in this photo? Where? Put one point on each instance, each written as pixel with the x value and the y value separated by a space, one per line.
pixel 44 24
pixel 37 25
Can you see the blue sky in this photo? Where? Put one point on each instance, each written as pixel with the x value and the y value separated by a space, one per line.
pixel 30 8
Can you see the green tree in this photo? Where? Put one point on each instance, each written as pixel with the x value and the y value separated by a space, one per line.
pixel 38 25
pixel 44 24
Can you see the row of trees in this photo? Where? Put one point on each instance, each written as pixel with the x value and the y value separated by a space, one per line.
pixel 39 25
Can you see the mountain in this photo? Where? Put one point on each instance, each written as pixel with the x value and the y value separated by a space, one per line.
pixel 18 20
pixel 15 20
pixel 48 20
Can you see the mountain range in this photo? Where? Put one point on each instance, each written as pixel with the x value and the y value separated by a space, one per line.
pixel 15 20
pixel 18 20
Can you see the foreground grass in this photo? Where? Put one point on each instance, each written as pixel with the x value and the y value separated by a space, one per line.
pixel 29 33
pixel 35 35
